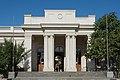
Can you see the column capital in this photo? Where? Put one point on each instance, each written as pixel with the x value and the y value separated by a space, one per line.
pixel 52 36
pixel 67 36
pixel 28 35
pixel 88 38
pixel 74 36
pixel 88 35
pixel 48 35
pixel 71 35
pixel 45 35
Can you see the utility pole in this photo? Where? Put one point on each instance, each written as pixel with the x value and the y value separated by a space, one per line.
pixel 107 44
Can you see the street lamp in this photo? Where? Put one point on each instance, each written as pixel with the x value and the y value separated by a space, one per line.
pixel 107 44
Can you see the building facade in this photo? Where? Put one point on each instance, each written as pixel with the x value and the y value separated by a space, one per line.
pixel 54 42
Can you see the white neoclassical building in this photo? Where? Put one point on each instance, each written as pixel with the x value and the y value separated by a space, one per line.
pixel 54 42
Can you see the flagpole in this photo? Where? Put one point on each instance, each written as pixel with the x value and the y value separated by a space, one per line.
pixel 13 46
pixel 107 44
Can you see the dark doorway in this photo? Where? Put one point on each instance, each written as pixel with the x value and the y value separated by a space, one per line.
pixel 59 59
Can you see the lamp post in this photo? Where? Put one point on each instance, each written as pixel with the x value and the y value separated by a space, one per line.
pixel 107 44
pixel 109 73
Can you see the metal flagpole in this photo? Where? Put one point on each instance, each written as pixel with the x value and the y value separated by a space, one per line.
pixel 107 44
pixel 13 46
pixel 12 73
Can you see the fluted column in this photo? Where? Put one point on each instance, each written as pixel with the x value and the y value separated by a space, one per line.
pixel 70 53
pixel 51 50
pixel 46 58
pixel 48 53
pixel 74 52
pixel 67 64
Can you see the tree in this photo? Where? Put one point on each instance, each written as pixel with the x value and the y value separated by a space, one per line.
pixel 97 45
pixel 6 56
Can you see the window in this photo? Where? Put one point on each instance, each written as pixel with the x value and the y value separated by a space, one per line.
pixel 59 49
pixel 78 55
pixel 40 55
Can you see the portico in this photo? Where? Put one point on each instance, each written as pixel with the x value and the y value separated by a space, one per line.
pixel 59 28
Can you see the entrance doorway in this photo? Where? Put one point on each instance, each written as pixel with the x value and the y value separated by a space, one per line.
pixel 81 46
pixel 59 59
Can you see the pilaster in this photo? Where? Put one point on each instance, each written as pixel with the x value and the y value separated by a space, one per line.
pixel 83 63
pixel 28 43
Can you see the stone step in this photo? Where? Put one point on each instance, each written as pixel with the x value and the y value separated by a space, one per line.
pixel 62 74
pixel 60 78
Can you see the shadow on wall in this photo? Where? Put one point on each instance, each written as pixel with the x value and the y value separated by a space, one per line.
pixel 26 65
pixel 26 62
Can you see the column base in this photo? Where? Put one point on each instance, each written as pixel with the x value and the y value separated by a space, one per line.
pixel 71 69
pixel 48 69
pixel 11 75
pixel 109 74
pixel 83 69
pixel 29 70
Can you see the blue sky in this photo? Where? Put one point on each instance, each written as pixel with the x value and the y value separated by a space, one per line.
pixel 17 8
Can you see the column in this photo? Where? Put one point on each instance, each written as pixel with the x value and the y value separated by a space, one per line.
pixel 48 53
pixel 46 67
pixel 51 52
pixel 74 52
pixel 67 65
pixel 71 53
pixel 28 48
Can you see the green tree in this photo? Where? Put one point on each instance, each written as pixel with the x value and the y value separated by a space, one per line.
pixel 6 56
pixel 97 45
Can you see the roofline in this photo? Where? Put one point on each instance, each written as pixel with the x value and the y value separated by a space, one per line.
pixel 56 10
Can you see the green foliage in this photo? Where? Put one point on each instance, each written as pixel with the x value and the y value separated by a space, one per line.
pixel 97 47
pixel 18 50
pixel 6 56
